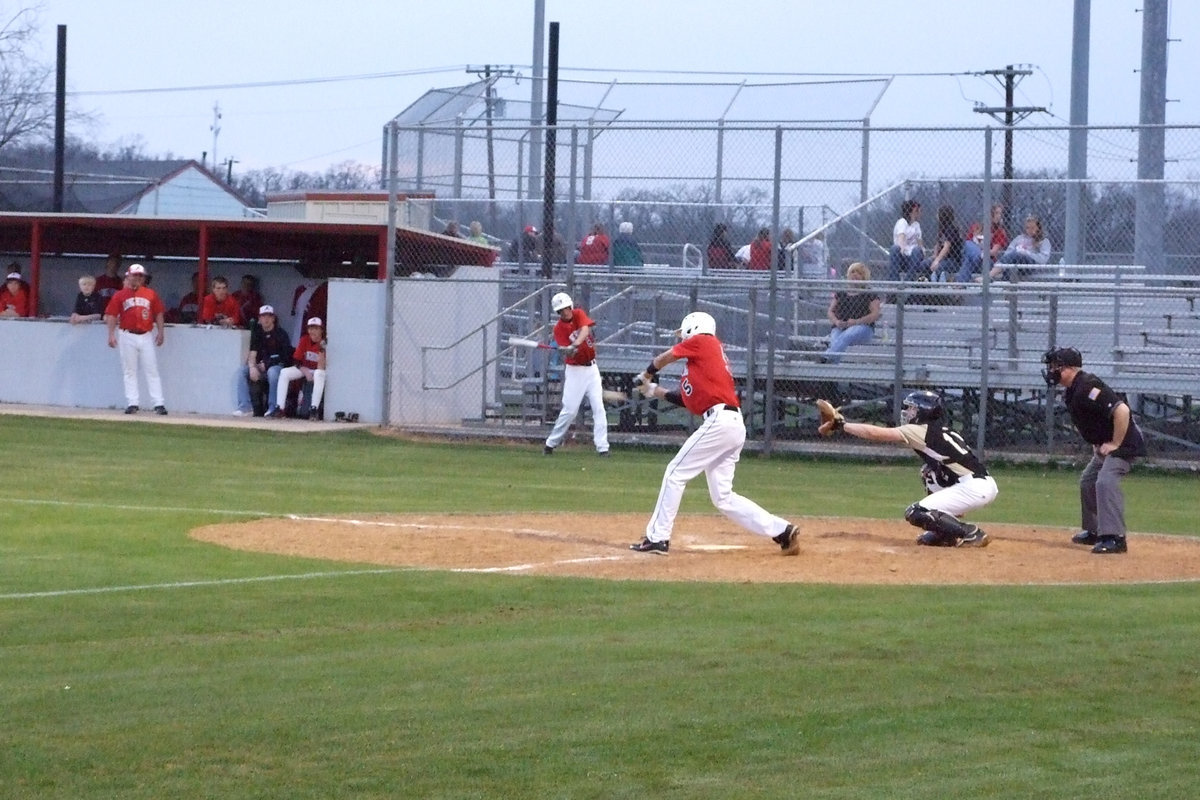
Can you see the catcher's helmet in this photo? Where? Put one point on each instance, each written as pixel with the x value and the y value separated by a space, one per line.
pixel 697 322
pixel 560 301
pixel 1058 358
pixel 921 407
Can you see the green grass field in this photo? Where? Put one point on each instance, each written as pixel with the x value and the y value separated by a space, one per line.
pixel 137 663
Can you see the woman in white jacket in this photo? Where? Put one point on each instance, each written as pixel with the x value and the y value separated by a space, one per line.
pixel 1031 247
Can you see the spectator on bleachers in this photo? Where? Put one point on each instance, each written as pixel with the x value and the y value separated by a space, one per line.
pixel 1031 247
pixel 595 247
pixel 525 248
pixel 89 306
pixel 760 250
pixel 476 235
pixel 785 259
pixel 852 313
pixel 949 252
pixel 451 229
pixel 908 250
pixel 625 249
pixel 720 251
pixel 999 235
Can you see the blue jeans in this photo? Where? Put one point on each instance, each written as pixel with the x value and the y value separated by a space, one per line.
pixel 909 266
pixel 243 387
pixel 841 338
pixel 972 262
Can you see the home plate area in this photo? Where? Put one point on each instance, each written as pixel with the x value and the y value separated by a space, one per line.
pixel 835 550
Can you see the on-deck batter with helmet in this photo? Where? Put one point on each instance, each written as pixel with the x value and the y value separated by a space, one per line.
pixel 956 481
pixel 706 389
pixel 581 377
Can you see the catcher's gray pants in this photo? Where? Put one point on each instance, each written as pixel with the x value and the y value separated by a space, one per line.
pixel 1100 495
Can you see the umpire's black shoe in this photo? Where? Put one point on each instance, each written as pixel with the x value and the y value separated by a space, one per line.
pixel 788 541
pixel 131 409
pixel 654 548
pixel 160 410
pixel 1110 544
pixel 547 450
pixel 1085 537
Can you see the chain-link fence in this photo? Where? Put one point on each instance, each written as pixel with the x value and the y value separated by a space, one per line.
pixel 1117 277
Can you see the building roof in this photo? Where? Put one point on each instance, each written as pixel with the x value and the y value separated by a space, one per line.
pixel 94 186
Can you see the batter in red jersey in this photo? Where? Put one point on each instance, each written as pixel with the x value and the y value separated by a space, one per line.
pixel 581 376
pixel 132 316
pixel 706 389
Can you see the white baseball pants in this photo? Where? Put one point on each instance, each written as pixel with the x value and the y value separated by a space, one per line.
pixel 966 495
pixel 138 348
pixel 714 449
pixel 289 374
pixel 580 383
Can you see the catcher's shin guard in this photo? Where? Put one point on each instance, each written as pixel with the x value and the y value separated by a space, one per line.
pixel 945 525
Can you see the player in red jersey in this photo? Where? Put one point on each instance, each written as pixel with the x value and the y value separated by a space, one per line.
pixel 309 359
pixel 581 376
pixel 132 314
pixel 706 389
pixel 219 307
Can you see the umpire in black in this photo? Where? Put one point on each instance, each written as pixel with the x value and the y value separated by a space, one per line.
pixel 1105 422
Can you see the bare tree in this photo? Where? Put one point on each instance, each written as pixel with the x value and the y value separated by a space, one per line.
pixel 26 101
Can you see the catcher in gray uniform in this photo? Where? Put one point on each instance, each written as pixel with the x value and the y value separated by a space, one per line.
pixel 956 481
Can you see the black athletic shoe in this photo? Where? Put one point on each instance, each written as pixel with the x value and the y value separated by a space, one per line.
pixel 974 538
pixel 160 410
pixel 602 453
pixel 788 541
pixel 547 450
pixel 131 409
pixel 935 539
pixel 647 546
pixel 1085 537
pixel 1110 544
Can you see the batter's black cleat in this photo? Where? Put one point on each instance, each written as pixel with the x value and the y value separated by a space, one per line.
pixel 788 541
pixel 547 450
pixel 1085 537
pixel 131 409
pixel 975 537
pixel 935 539
pixel 160 410
pixel 602 453
pixel 654 548
pixel 1110 544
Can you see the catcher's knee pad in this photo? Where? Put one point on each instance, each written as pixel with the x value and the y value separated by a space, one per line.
pixel 933 520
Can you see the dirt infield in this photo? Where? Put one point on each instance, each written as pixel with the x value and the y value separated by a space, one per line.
pixel 835 550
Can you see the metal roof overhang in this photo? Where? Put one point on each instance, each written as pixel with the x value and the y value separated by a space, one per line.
pixel 252 239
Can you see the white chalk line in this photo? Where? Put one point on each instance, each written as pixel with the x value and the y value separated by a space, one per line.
pixel 190 584
pixel 127 507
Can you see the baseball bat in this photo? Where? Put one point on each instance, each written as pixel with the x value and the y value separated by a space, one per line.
pixel 520 341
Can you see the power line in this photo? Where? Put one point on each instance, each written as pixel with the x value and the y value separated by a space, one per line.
pixel 267 84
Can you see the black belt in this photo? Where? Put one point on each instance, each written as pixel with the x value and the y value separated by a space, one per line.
pixel 588 364
pixel 138 333
pixel 718 407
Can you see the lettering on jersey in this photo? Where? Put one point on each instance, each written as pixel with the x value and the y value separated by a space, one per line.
pixel 135 302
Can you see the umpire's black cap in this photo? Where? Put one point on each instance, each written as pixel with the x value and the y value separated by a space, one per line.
pixel 1063 357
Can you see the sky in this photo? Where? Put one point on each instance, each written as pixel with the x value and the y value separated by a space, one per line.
pixel 306 84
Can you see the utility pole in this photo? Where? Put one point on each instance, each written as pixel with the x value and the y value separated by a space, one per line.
pixel 229 162
pixel 1008 77
pixel 216 130
pixel 490 104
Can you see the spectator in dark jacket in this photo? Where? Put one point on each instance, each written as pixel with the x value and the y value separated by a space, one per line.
pixel 626 251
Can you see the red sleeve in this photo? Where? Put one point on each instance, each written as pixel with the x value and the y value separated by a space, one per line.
pixel 301 347
pixel 208 309
pixel 113 309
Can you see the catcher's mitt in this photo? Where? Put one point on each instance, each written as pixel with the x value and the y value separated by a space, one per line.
pixel 831 419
